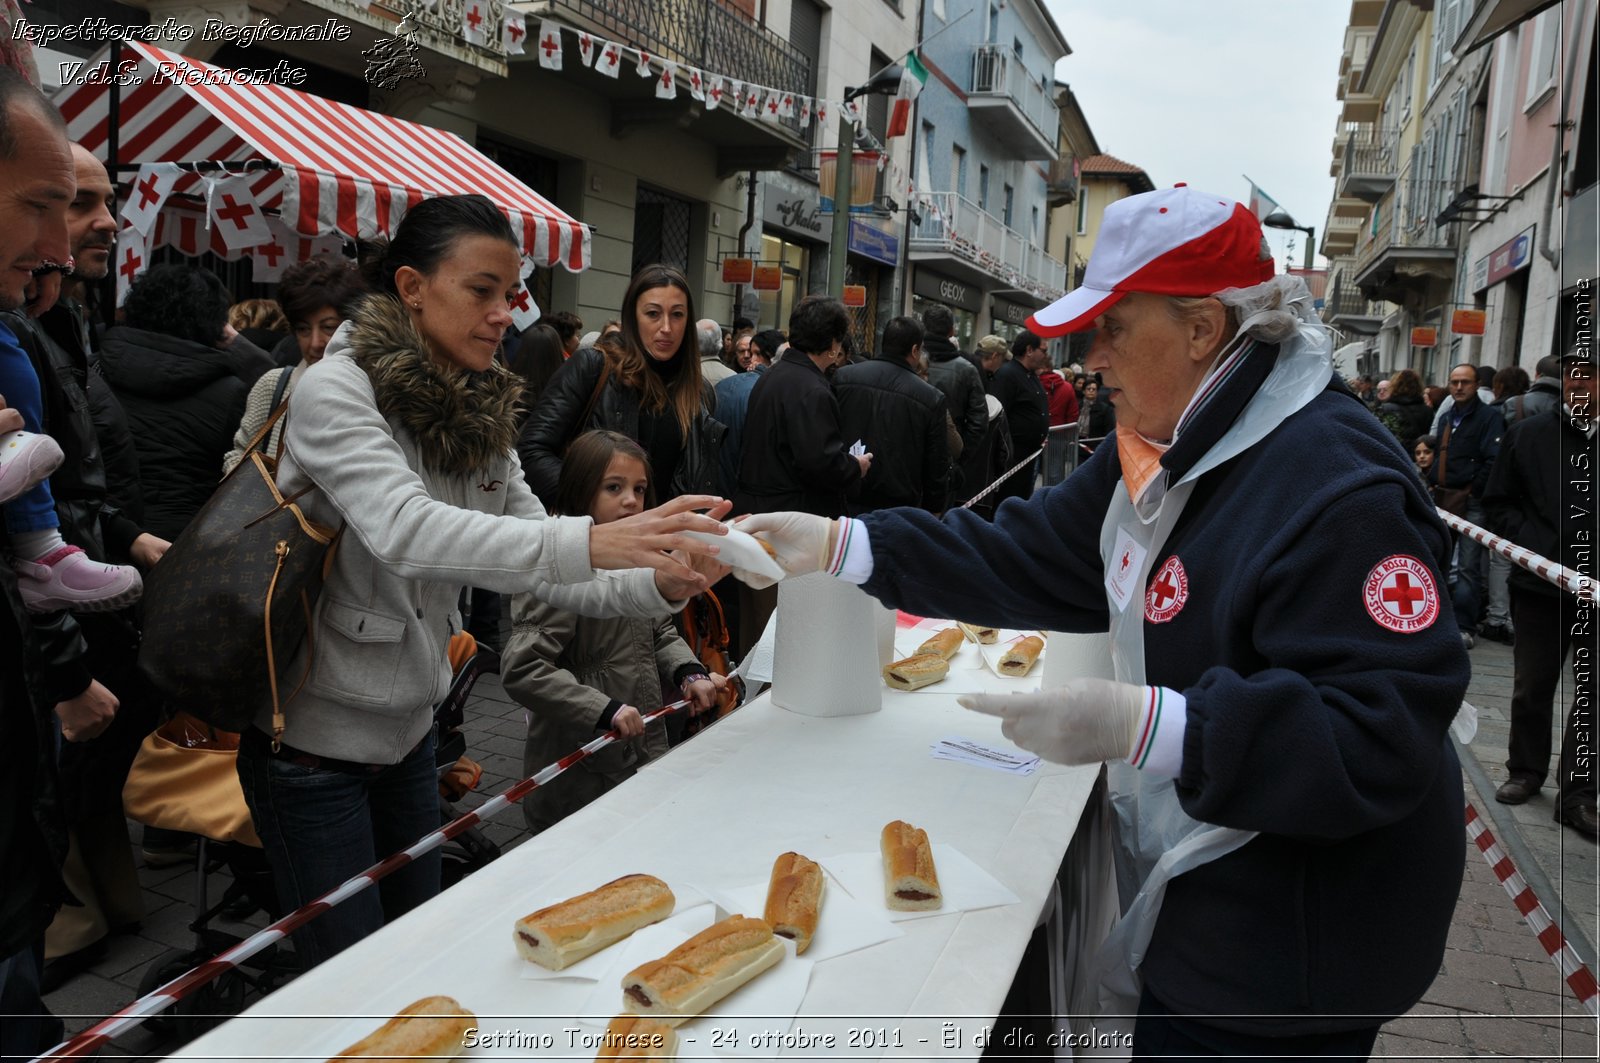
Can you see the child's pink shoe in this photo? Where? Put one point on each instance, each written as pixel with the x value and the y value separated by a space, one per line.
pixel 26 458
pixel 66 578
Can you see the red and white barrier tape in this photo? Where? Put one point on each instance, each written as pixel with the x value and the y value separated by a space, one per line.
pixel 1003 478
pixel 159 1000
pixel 1578 977
pixel 1576 583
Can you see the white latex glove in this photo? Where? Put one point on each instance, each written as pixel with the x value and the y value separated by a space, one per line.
pixel 803 543
pixel 1083 721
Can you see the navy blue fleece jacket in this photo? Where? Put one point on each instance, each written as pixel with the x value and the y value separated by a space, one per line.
pixel 1309 720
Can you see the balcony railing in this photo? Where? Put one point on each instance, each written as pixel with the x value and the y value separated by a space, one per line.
pixel 959 227
pixel 1062 184
pixel 1404 218
pixel 700 33
pixel 1371 162
pixel 996 71
pixel 1345 304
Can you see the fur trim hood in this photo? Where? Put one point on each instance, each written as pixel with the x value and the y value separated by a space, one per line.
pixel 461 421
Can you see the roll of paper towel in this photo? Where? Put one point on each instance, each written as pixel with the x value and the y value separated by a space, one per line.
pixel 829 641
pixel 1073 654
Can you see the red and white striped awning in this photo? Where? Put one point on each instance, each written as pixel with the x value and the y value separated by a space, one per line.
pixel 341 169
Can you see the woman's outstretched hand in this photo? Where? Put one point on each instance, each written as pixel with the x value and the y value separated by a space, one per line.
pixel 655 539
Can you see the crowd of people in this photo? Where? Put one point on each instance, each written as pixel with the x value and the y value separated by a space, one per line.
pixel 561 467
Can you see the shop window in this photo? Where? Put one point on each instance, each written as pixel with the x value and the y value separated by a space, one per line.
pixel 794 260
pixel 660 230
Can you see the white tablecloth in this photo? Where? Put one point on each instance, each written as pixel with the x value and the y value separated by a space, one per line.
pixel 716 811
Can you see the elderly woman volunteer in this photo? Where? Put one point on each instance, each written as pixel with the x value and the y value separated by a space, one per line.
pixel 1270 571
pixel 405 428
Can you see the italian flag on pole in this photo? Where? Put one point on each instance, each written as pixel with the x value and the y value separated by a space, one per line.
pixel 912 77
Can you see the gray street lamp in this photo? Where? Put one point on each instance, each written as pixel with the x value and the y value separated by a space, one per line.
pixel 884 81
pixel 1280 219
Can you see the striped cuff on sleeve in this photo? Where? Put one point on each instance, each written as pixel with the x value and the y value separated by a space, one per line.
pixel 1158 740
pixel 852 553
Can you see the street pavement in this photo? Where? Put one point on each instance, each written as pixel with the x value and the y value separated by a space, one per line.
pixel 1498 994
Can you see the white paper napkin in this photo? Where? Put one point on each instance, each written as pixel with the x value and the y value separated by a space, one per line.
pixel 966 887
pixel 843 925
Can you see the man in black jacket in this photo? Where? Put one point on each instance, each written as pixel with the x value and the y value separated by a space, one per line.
pixel 794 455
pixel 902 419
pixel 951 372
pixel 1540 495
pixel 1468 444
pixel 1016 385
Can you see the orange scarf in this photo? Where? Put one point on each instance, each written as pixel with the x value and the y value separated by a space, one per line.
pixel 1141 460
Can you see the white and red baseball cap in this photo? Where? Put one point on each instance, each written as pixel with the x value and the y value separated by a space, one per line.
pixel 1176 241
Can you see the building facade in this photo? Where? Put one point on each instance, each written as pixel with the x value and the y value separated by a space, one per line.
pixel 987 131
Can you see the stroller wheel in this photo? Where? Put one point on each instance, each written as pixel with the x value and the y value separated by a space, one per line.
pixel 208 1006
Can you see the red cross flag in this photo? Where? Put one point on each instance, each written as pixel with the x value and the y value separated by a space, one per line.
pixel 667 83
pixel 150 190
pixel 473 18
pixel 231 210
pixel 132 259
pixel 586 48
pixel 822 112
pixel 609 60
pixel 805 111
pixel 513 32
pixel 714 91
pixel 786 106
pixel 733 94
pixel 696 83
pixel 524 311
pixel 550 45
pixel 643 68
pixel 772 107
pixel 852 111
pixel 751 108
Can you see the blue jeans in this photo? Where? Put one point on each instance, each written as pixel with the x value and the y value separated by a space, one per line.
pixel 1473 558
pixel 321 826
pixel 35 508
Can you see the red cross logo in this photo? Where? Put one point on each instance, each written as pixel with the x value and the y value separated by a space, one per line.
pixel 788 102
pixel 694 80
pixel 1400 594
pixel 550 45
pixel 715 94
pixel 1167 592
pixel 516 31
pixel 147 191
pixel 474 17
pixel 666 79
pixel 611 56
pixel 644 59
pixel 772 106
pixel 235 212
pixel 271 252
pixel 520 300
pixel 130 265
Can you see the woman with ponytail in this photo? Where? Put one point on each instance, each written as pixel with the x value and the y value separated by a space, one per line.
pixel 404 433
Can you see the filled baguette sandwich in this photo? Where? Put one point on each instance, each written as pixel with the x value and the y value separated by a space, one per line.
pixel 635 1037
pixel 701 971
pixel 945 643
pixel 794 899
pixel 1019 659
pixel 910 881
pixel 983 636
pixel 916 671
pixel 431 1028
pixel 581 926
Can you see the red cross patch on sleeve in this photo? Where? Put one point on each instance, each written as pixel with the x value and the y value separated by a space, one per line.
pixel 1400 594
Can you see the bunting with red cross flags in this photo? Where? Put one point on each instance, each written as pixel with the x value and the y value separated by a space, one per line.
pixel 643 69
pixel 714 91
pixel 609 59
pixel 151 188
pixel 513 31
pixel 696 82
pixel 267 261
pixel 132 259
pixel 667 83
pixel 549 45
pixel 232 211
pixel 586 43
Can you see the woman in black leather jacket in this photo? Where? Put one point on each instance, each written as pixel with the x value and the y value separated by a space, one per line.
pixel 645 384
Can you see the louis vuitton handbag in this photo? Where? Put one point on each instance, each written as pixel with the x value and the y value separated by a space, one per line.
pixel 232 599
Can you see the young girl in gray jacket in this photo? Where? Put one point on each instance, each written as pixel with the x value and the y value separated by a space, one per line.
pixel 577 676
